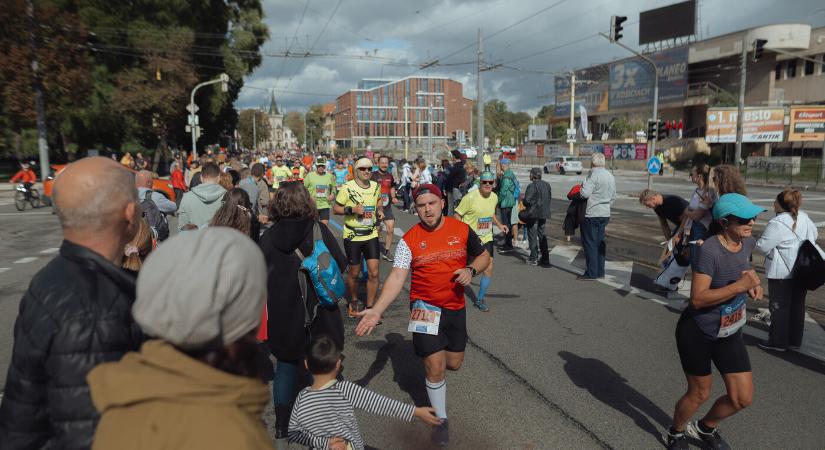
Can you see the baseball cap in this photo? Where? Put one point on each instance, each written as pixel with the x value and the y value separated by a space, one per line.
pixel 363 162
pixel 738 205
pixel 535 172
pixel 504 162
pixel 487 176
pixel 427 189
pixel 321 161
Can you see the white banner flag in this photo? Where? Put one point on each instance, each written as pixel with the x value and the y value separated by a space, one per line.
pixel 583 119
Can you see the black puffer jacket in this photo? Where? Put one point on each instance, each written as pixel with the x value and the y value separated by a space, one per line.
pixel 76 314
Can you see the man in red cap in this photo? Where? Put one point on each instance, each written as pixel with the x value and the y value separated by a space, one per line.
pixel 442 254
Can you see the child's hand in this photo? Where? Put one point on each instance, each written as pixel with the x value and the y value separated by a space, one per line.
pixel 427 415
pixel 337 443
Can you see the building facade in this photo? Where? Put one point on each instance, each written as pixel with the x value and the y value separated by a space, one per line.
pixel 328 135
pixel 418 113
pixel 276 140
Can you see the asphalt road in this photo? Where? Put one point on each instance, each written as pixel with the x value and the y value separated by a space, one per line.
pixel 557 363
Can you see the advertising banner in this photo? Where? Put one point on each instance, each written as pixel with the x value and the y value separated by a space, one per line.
pixel 592 87
pixel 807 123
pixel 758 125
pixel 632 80
pixel 625 151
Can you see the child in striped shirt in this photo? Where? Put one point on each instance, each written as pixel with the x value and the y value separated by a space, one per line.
pixel 324 414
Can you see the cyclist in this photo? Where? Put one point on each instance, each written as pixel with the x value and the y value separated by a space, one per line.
pixel 710 329
pixel 26 177
pixel 321 187
pixel 358 201
pixel 478 210
pixel 443 255
pixel 384 178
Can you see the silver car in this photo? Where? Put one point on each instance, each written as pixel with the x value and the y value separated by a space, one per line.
pixel 563 164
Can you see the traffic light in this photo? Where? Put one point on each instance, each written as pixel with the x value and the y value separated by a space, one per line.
pixel 616 27
pixel 758 48
pixel 661 130
pixel 651 130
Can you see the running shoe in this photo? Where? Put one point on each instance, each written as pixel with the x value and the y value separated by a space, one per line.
pixel 352 311
pixel 441 434
pixel 764 316
pixel 387 255
pixel 712 440
pixel 532 262
pixel 505 248
pixel 481 306
pixel 765 345
pixel 675 440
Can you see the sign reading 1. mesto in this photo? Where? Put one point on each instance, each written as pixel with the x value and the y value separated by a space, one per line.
pixel 758 125
pixel 632 80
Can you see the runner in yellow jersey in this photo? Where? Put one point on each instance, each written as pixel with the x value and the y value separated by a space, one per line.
pixel 358 201
pixel 280 172
pixel 478 210
pixel 321 187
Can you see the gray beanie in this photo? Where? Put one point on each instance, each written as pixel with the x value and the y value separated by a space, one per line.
pixel 202 288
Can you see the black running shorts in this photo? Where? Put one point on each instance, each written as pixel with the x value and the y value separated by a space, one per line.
pixel 697 350
pixel 323 214
pixel 490 248
pixel 358 250
pixel 388 214
pixel 452 334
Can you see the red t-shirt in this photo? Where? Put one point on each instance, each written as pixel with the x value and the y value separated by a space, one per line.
pixel 24 176
pixel 433 256
pixel 386 181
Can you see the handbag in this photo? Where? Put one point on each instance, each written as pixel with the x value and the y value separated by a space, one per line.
pixel 809 267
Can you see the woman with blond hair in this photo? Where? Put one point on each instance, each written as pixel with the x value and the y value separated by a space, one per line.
pixel 139 248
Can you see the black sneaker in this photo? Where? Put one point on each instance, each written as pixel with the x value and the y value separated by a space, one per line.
pixel 675 440
pixel 441 434
pixel 765 345
pixel 712 440
pixel 506 248
pixel 387 255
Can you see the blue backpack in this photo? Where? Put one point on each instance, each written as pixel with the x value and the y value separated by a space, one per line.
pixel 323 272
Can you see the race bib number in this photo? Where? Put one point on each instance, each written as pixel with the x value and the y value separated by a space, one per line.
pixel 385 199
pixel 732 316
pixel 484 225
pixel 424 318
pixel 368 218
pixel 320 191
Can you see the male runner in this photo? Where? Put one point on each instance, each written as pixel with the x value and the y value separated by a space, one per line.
pixel 442 254
pixel 478 210
pixel 387 182
pixel 321 187
pixel 280 172
pixel 358 201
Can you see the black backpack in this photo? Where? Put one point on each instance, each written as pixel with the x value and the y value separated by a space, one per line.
pixel 154 217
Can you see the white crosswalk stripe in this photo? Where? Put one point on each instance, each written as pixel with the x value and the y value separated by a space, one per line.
pixel 26 260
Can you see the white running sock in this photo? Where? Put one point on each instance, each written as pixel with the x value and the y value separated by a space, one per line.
pixel 437 392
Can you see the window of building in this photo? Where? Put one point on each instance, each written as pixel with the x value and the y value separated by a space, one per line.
pixel 777 74
pixel 791 69
pixel 809 68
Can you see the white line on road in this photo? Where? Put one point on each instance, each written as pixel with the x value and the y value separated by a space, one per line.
pixel 819 224
pixel 398 232
pixel 49 251
pixel 4 269
pixel 25 260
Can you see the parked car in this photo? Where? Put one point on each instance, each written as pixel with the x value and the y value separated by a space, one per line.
pixel 470 152
pixel 162 185
pixel 563 164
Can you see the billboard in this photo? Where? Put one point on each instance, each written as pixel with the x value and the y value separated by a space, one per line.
pixel 667 22
pixel 625 151
pixel 592 87
pixel 807 123
pixel 631 80
pixel 758 125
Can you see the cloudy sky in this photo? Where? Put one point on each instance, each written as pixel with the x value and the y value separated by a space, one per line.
pixel 357 39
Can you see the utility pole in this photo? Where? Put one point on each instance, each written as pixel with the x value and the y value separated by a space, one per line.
pixel 572 111
pixel 306 147
pixel 254 131
pixel 741 110
pixel 430 126
pixel 39 103
pixel 479 107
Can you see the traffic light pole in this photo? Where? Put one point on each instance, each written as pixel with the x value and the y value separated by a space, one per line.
pixel 224 78
pixel 737 156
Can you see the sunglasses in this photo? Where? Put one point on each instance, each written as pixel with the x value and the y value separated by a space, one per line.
pixel 740 220
pixel 364 169
pixel 488 182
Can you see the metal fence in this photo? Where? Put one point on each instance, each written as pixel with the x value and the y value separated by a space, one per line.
pixel 807 173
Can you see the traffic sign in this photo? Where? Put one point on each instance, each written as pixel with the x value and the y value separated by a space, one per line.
pixel 192 108
pixel 654 166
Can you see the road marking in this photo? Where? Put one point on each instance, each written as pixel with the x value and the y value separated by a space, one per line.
pixel 819 224
pixel 398 232
pixel 566 252
pixel 49 251
pixel 4 269
pixel 25 260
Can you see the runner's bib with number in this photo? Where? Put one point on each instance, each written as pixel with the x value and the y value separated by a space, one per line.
pixel 320 191
pixel 484 225
pixel 424 318
pixel 732 316
pixel 385 199
pixel 368 218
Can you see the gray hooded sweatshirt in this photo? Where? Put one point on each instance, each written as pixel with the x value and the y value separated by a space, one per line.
pixel 200 204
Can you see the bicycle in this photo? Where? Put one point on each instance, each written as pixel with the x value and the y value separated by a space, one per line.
pixel 23 195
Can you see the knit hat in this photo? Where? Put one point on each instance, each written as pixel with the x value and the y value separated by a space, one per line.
pixel 203 288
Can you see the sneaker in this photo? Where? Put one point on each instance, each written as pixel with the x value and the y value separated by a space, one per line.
pixel 712 440
pixel 481 306
pixel 387 255
pixel 441 434
pixel 352 310
pixel 765 345
pixel 505 248
pixel 764 316
pixel 532 262
pixel 675 440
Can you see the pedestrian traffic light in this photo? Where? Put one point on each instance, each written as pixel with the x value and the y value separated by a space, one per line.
pixel 661 130
pixel 651 130
pixel 616 27
pixel 758 48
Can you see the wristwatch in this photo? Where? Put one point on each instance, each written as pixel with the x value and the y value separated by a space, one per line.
pixel 472 270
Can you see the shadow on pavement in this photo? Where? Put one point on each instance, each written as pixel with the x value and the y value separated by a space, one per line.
pixel 610 388
pixel 408 372
pixel 795 358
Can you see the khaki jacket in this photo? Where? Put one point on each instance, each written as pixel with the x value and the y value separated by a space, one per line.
pixel 161 398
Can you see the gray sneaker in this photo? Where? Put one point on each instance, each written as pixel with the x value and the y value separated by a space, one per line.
pixel 441 434
pixel 712 440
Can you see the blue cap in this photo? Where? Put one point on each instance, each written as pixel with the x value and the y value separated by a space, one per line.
pixel 504 162
pixel 735 205
pixel 487 176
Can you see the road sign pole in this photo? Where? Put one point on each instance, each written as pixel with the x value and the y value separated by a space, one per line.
pixel 572 110
pixel 224 78
pixel 741 107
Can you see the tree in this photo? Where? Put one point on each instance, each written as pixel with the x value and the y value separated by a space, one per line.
pixel 295 122
pixel 315 124
pixel 500 123
pixel 245 127
pixel 546 112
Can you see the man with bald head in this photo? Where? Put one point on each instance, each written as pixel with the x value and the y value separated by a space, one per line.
pixel 76 312
pixel 143 181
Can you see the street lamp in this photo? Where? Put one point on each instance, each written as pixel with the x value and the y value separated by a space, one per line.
pixel 192 108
